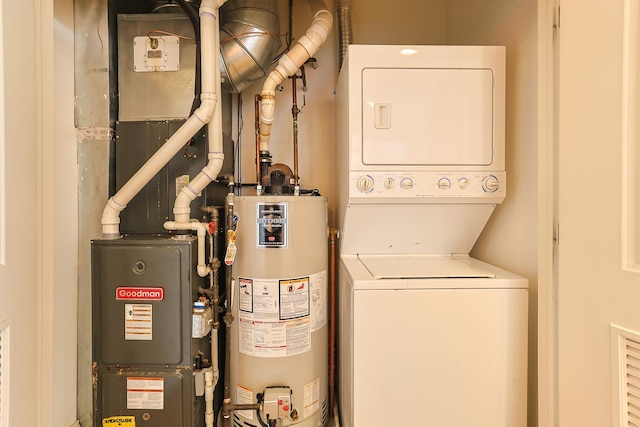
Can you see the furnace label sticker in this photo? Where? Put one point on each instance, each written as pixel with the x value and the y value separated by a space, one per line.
pixel 294 298
pixel 145 393
pixel 271 225
pixel 138 322
pixel 121 421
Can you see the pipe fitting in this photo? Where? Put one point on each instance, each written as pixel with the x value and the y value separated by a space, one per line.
pixel 288 65
pixel 201 229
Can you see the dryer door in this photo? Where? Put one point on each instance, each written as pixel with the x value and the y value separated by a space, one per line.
pixel 427 116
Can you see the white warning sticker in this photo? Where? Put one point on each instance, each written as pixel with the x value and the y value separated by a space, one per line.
pixel 319 297
pixel 138 322
pixel 145 393
pixel 294 298
pixel 311 398
pixel 277 316
pixel 244 395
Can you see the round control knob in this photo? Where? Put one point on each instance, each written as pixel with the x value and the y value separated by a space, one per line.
pixel 490 184
pixel 444 183
pixel 463 183
pixel 365 184
pixel 406 183
pixel 389 183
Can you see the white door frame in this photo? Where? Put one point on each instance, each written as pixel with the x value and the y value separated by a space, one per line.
pixel 57 224
pixel 548 22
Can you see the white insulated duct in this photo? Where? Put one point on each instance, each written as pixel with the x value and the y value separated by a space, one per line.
pixel 304 48
pixel 209 102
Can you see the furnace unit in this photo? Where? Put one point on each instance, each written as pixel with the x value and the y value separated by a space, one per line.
pixel 148 357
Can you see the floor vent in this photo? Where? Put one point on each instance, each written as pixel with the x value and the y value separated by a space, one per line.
pixel 4 376
pixel 626 345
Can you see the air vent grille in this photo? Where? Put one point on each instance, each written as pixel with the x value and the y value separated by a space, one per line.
pixel 4 376
pixel 632 378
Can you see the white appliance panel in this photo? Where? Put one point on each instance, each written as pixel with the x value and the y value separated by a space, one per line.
pixel 426 116
pixel 422 267
pixel 406 228
pixel 450 357
pixel 435 352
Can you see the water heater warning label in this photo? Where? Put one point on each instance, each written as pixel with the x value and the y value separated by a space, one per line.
pixel 271 225
pixel 278 316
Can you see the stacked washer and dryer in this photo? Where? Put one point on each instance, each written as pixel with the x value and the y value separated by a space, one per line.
pixel 428 335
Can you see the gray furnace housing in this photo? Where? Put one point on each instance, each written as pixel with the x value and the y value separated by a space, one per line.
pixel 146 371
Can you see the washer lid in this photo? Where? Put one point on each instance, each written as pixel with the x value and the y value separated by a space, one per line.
pixel 423 267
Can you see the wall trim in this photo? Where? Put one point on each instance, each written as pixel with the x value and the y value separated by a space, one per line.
pixel 548 228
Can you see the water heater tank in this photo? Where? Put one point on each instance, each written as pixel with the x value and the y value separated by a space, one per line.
pixel 280 332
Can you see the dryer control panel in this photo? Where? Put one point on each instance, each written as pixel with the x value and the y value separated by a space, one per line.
pixel 468 186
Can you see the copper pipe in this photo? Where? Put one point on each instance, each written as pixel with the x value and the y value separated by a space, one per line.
pixel 333 235
pixel 256 104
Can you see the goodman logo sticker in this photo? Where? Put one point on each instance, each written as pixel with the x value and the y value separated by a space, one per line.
pixel 139 294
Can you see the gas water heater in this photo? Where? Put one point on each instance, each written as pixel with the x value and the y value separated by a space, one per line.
pixel 279 344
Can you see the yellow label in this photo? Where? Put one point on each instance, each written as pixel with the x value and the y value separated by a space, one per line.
pixel 122 421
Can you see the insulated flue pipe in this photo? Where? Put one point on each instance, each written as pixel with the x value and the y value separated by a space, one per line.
pixel 208 30
pixel 249 41
pixel 345 34
pixel 304 48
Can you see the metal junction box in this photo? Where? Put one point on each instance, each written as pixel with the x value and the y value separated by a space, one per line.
pixel 144 355
pixel 167 92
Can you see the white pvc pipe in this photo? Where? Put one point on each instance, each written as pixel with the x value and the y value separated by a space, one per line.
pixel 201 230
pixel 214 356
pixel 210 74
pixel 304 48
pixel 208 29
pixel 208 398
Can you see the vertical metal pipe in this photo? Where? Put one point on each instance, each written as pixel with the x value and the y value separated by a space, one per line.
pixel 333 235
pixel 256 104
pixel 228 317
pixel 294 112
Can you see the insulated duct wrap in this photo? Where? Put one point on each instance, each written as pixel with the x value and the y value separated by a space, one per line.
pixel 248 41
pixel 345 33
